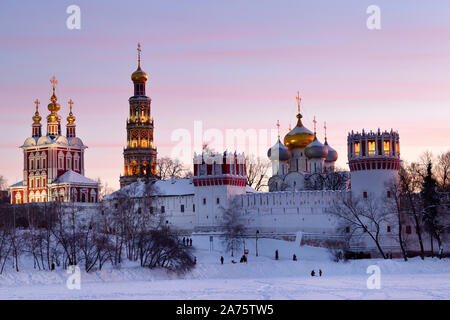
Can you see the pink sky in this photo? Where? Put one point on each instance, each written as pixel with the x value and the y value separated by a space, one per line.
pixel 230 64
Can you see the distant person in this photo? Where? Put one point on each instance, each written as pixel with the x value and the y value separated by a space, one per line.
pixel 276 254
pixel 294 257
pixel 195 260
pixel 245 258
pixel 221 260
pixel 184 241
pixel 53 266
pixel 320 272
pixel 313 274
pixel 190 241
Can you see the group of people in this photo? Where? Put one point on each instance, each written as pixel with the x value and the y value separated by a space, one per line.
pixel 294 257
pixel 187 241
pixel 313 273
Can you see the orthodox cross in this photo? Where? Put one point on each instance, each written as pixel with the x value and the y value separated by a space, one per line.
pixel 139 53
pixel 298 100
pixel 36 102
pixel 315 121
pixel 278 128
pixel 325 127
pixel 54 82
pixel 70 103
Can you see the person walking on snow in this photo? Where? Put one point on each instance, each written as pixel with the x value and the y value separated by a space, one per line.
pixel 313 273
pixel 294 257
pixel 184 241
pixel 190 241
pixel 320 272
pixel 221 259
pixel 276 254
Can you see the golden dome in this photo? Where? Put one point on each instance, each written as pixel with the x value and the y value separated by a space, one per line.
pixel 70 118
pixel 37 118
pixel 139 75
pixel 52 117
pixel 53 107
pixel 299 137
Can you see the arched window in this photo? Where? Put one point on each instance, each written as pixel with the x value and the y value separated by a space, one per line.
pixel 76 161
pixel 18 197
pixel 69 161
pixel 31 196
pixel 93 196
pixel 74 195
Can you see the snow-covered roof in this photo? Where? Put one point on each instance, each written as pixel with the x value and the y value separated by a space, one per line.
pixel 249 189
pixel 71 176
pixel 18 184
pixel 171 187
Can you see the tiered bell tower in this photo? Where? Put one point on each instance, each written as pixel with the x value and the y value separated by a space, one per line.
pixel 140 153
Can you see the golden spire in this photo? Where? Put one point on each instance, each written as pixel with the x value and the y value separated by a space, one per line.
pixel 314 121
pixel 37 118
pixel 299 115
pixel 139 75
pixel 70 118
pixel 278 128
pixel 139 55
pixel 325 127
pixel 53 107
pixel 54 82
pixel 299 100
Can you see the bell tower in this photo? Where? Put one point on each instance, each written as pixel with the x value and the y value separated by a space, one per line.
pixel 140 153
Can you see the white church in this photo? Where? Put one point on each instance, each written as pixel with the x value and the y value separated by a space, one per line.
pixel 288 210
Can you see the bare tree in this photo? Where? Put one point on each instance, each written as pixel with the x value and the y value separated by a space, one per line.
pixel 394 204
pixel 167 168
pixel 336 180
pixel 3 183
pixel 103 188
pixel 361 217
pixel 257 172
pixel 442 169
pixel 233 228
pixel 409 182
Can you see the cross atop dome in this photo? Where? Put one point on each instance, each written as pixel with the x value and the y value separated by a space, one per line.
pixel 299 100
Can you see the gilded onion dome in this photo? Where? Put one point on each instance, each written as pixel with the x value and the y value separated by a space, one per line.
pixel 299 137
pixel 70 118
pixel 316 150
pixel 53 107
pixel 332 155
pixel 139 75
pixel 37 118
pixel 279 152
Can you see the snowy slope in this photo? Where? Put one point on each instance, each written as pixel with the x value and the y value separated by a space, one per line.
pixel 261 278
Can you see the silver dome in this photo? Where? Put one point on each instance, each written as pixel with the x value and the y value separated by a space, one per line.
pixel 332 154
pixel 279 152
pixel 316 150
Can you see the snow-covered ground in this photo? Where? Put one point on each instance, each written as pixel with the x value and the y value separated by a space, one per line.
pixel 261 278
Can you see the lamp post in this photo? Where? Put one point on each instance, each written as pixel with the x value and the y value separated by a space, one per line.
pixel 257 232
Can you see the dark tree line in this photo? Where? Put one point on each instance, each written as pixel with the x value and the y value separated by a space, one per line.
pixel 56 234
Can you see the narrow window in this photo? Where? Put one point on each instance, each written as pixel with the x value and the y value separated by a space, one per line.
pixel 204 200
pixel 408 229
pixel 163 209
pixel 217 200
pixel 365 194
pixel 388 194
pixel 357 149
pixel 388 228
pixel 182 208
